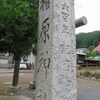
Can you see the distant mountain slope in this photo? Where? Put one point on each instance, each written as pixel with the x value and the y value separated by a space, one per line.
pixel 85 40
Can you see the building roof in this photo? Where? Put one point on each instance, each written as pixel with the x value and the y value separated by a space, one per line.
pixel 97 48
pixel 78 53
pixel 97 60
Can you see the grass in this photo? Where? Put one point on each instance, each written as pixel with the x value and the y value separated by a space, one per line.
pixel 3 88
pixel 90 69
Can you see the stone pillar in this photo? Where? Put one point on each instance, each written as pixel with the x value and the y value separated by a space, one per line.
pixel 34 75
pixel 56 58
pixel 32 85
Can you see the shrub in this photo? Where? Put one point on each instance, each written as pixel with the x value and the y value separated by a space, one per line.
pixel 87 74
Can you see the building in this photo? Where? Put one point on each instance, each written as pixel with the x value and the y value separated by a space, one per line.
pixel 97 49
pixel 84 62
pixel 81 50
pixel 80 58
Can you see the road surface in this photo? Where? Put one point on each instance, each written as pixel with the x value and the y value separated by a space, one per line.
pixel 88 90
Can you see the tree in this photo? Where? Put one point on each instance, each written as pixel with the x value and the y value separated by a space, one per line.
pixel 92 54
pixel 85 40
pixel 18 29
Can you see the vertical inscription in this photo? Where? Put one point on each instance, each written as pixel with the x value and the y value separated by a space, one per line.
pixel 44 62
pixel 65 17
pixel 44 4
pixel 42 95
pixel 45 96
pixel 65 7
pixel 65 48
pixel 44 36
pixel 44 59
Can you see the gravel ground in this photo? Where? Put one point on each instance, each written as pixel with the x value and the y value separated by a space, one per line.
pixel 87 89
pixel 25 77
pixel 6 76
pixel 26 91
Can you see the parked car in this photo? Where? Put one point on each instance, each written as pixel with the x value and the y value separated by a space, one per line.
pixel 23 66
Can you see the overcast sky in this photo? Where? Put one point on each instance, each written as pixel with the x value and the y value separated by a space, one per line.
pixel 90 9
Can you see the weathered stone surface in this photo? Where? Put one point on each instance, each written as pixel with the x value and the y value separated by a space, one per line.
pixel 56 59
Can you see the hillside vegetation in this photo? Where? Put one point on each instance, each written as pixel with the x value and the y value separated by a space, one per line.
pixel 85 40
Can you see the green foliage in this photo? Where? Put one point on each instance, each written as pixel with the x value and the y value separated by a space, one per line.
pixel 18 26
pixel 91 53
pixel 85 40
pixel 3 89
pixel 87 74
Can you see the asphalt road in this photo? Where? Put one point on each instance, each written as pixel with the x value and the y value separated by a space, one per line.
pixel 88 90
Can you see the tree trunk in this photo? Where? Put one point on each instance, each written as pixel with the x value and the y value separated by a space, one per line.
pixel 16 73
